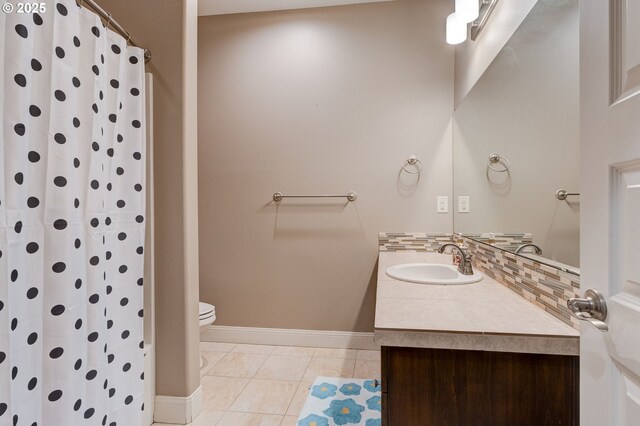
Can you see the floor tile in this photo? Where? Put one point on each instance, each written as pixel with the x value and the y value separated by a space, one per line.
pixel 235 364
pixel 247 385
pixel 265 397
pixel 207 418
pixel 249 419
pixel 220 392
pixel 299 399
pixel 366 369
pixel 216 347
pixel 283 368
pixel 293 351
pixel 289 421
pixel 210 359
pixel 335 353
pixel 329 367
pixel 253 349
pixel 369 355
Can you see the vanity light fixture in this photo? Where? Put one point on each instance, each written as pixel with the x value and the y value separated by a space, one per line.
pixel 456 29
pixel 474 12
pixel 468 10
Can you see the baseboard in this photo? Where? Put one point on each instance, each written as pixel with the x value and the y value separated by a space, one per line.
pixel 176 409
pixel 288 337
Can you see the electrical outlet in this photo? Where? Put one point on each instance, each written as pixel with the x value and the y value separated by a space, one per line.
pixel 443 204
pixel 463 204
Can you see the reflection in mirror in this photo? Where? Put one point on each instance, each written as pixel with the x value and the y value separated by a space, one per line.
pixel 524 109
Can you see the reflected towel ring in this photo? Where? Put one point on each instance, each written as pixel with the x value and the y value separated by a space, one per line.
pixel 413 161
pixel 497 158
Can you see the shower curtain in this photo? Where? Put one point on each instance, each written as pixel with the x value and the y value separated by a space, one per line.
pixel 72 204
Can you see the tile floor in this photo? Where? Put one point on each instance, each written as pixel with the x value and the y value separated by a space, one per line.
pixel 257 385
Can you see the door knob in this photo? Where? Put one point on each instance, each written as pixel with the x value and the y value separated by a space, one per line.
pixel 592 308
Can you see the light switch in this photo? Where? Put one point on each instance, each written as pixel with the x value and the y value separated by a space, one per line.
pixel 443 204
pixel 463 204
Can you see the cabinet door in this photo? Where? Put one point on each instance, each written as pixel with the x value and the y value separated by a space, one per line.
pixel 531 389
pixel 445 387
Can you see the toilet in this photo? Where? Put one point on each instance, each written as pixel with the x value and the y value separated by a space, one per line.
pixel 207 317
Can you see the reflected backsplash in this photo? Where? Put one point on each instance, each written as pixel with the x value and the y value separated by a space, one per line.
pixel 525 111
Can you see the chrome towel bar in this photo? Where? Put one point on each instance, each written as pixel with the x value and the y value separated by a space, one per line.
pixel 351 196
pixel 562 194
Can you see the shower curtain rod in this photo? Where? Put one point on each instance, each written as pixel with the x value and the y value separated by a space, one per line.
pixel 114 24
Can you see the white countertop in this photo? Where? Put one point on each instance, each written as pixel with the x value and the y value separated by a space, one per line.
pixel 480 316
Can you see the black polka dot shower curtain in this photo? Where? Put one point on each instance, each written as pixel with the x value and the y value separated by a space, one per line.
pixel 72 205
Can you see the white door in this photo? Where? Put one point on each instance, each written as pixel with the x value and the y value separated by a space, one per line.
pixel 610 210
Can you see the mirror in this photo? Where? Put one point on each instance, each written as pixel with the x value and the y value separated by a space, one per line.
pixel 524 110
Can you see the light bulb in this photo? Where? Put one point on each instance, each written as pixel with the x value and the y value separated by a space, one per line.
pixel 456 29
pixel 468 10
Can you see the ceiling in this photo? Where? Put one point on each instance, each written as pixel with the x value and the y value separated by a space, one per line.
pixel 225 7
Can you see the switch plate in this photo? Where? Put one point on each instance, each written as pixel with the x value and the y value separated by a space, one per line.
pixel 463 204
pixel 443 204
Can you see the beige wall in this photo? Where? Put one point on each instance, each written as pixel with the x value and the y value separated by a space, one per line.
pixel 526 107
pixel 309 102
pixel 165 27
pixel 474 56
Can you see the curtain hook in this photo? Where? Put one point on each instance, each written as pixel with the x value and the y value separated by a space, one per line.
pixel 109 19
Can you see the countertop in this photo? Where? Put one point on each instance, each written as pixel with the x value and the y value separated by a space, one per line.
pixel 480 316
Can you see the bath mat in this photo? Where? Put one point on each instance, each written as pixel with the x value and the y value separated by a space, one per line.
pixel 334 401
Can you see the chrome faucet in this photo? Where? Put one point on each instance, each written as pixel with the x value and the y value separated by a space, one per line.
pixel 465 267
pixel 537 250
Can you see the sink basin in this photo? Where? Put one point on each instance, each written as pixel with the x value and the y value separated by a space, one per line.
pixel 430 273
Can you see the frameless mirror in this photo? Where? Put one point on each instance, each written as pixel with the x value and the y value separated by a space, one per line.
pixel 516 142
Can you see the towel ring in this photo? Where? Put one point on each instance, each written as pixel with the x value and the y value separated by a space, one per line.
pixel 497 158
pixel 413 161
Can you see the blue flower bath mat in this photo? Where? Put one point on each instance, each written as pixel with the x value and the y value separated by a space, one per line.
pixel 340 402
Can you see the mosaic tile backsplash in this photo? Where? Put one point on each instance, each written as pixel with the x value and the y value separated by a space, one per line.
pixel 545 286
pixel 506 241
pixel 412 241
pixel 542 285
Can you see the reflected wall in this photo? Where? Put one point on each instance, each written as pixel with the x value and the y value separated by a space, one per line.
pixel 525 107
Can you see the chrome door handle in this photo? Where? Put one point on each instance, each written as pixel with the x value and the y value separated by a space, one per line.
pixel 592 308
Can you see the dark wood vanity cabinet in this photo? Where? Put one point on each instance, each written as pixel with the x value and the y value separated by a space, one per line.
pixel 441 387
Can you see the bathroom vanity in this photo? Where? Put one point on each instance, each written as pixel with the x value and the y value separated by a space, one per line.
pixel 474 354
